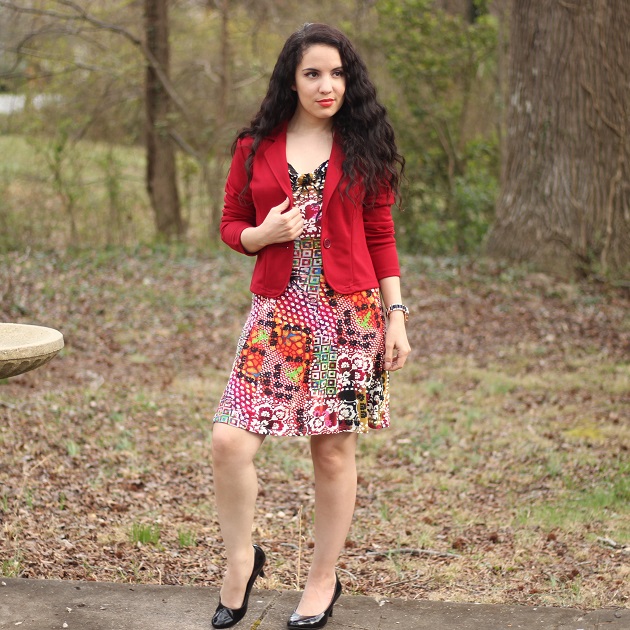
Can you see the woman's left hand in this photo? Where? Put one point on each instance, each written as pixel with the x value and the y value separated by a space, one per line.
pixel 397 347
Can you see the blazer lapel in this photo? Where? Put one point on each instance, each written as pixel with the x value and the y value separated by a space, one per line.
pixel 333 174
pixel 276 156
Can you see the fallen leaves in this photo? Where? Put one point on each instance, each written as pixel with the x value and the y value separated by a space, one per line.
pixel 501 478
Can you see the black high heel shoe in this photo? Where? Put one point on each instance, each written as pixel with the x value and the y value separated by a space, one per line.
pixel 315 621
pixel 225 617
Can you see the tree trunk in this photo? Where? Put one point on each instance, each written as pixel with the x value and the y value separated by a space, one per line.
pixel 217 171
pixel 161 166
pixel 565 199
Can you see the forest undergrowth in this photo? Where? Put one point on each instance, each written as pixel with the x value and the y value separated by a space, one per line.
pixel 505 476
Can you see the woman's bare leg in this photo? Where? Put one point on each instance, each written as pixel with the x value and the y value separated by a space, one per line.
pixel 335 496
pixel 236 489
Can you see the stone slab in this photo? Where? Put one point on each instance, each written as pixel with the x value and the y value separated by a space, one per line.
pixel 24 347
pixel 60 605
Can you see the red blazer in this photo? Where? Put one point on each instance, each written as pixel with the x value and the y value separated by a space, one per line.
pixel 358 246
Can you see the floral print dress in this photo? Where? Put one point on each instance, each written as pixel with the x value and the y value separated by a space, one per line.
pixel 310 362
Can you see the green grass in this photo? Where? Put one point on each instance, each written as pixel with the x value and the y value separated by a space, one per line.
pixel 29 498
pixel 11 568
pixel 72 448
pixel 186 538
pixel 110 205
pixel 602 501
pixel 145 534
pixel 493 449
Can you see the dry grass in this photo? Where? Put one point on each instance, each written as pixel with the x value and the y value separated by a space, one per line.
pixel 505 477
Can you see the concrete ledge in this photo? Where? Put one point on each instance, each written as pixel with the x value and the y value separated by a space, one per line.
pixel 24 347
pixel 25 341
pixel 53 604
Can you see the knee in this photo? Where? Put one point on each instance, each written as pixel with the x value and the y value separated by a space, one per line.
pixel 333 458
pixel 226 448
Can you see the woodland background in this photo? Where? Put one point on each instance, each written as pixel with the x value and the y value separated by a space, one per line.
pixel 81 69
pixel 512 115
pixel 505 476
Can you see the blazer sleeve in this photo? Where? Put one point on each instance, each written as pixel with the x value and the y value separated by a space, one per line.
pixel 379 233
pixel 238 207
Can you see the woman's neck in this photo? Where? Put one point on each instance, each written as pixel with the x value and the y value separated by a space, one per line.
pixel 308 144
pixel 309 126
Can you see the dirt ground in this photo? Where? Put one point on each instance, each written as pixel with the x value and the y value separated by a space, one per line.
pixel 504 477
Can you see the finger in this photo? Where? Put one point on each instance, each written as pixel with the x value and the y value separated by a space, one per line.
pixel 395 358
pixel 298 229
pixel 281 207
pixel 389 358
pixel 292 215
pixel 284 205
pixel 295 218
pixel 401 358
pixel 403 355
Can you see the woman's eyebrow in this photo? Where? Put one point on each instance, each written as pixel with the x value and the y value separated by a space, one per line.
pixel 319 70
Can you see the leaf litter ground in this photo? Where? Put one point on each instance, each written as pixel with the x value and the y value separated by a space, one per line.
pixel 504 478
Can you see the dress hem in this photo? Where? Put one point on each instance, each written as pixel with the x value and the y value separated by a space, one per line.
pixel 358 431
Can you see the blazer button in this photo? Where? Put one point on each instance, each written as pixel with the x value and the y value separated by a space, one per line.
pixel 327 243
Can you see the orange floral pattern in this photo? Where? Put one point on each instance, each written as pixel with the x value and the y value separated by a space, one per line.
pixel 310 362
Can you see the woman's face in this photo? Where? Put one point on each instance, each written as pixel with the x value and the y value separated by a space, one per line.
pixel 320 83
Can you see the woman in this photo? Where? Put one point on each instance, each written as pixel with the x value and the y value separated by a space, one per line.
pixel 309 193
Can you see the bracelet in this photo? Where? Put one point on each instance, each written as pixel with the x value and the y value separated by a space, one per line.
pixel 398 307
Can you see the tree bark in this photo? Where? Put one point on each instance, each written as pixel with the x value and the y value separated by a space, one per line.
pixel 565 199
pixel 161 165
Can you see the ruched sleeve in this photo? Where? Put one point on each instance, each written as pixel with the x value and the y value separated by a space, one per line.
pixel 379 233
pixel 238 207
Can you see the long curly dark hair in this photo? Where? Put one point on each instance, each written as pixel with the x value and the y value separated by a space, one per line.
pixel 367 137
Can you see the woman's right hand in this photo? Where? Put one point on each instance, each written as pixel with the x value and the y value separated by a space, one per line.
pixel 280 226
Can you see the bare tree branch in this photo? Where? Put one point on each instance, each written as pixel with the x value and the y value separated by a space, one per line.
pixel 81 15
pixel 414 552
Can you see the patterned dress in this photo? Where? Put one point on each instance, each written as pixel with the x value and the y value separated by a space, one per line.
pixel 310 362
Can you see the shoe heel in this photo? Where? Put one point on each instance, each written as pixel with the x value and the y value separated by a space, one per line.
pixel 227 617
pixel 262 573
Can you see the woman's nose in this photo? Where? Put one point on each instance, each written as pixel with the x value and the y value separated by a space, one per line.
pixel 325 86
